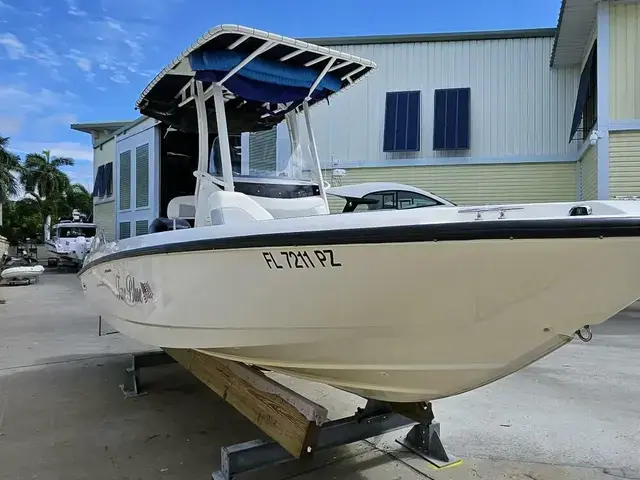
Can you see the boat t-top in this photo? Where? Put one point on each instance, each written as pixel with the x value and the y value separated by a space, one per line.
pixel 394 305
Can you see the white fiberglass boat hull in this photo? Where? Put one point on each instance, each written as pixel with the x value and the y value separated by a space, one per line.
pixel 22 273
pixel 395 320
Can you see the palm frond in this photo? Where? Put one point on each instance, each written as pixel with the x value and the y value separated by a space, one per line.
pixel 62 162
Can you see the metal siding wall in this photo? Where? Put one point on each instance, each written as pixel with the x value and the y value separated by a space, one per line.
pixel 471 185
pixel 624 163
pixel 262 150
pixel 104 216
pixel 519 106
pixel 589 172
pixel 625 61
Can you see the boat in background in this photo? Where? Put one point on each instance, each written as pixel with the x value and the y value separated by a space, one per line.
pixel 69 240
pixel 16 269
pixel 394 305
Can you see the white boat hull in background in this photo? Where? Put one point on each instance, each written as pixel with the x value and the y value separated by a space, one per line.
pixel 22 273
pixel 398 322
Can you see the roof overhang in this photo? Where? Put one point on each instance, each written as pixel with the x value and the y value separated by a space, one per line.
pixel 263 64
pixel 576 22
pixel 99 126
pixel 434 37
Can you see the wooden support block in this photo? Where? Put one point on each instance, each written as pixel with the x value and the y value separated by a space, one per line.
pixel 286 416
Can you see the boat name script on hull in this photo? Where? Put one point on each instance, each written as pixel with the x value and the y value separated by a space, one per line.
pixel 131 292
pixel 301 259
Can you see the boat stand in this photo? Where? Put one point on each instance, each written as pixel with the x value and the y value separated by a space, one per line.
pixel 131 387
pixel 297 427
pixel 377 418
pixel 424 440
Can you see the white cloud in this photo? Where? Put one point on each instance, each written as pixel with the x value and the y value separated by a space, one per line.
pixel 6 6
pixel 44 54
pixel 10 125
pixel 114 25
pixel 81 172
pixel 16 98
pixel 75 150
pixel 82 62
pixel 13 46
pixel 119 78
pixel 40 50
pixel 74 10
pixel 43 110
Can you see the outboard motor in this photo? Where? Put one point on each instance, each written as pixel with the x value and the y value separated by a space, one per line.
pixel 161 224
pixel 80 248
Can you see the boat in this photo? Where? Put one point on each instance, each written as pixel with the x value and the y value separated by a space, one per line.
pixel 69 239
pixel 404 305
pixel 14 270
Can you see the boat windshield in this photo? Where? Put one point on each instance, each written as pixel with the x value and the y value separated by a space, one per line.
pixel 264 156
pixel 74 231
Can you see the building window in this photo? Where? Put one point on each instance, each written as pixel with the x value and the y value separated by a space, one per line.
pixel 402 122
pixel 585 113
pixel 451 119
pixel 103 184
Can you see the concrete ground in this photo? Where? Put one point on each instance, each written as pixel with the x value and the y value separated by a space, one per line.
pixel 573 415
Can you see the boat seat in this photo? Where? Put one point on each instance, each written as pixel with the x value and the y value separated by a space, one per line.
pixel 182 207
pixel 234 207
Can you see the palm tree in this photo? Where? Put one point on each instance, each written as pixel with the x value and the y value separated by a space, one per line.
pixel 75 197
pixel 9 165
pixel 44 181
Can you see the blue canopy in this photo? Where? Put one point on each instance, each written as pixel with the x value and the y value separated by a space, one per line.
pixel 261 79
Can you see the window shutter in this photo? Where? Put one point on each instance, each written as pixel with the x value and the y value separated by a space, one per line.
pixel 125 180
pixel 142 176
pixel 142 227
pixel 402 122
pixel 451 119
pixel 97 184
pixel 124 230
pixel 108 178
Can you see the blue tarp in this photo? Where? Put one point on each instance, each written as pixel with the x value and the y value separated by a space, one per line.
pixel 261 80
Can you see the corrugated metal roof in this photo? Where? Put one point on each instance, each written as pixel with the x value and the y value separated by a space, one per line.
pixel 576 21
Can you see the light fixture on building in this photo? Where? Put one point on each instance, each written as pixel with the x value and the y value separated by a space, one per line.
pixel 594 137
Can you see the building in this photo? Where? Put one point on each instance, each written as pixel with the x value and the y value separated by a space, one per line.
pixel 104 156
pixel 481 117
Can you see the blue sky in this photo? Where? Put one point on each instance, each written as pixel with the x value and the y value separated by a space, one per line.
pixel 67 61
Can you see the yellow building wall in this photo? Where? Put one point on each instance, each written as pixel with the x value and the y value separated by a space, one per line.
pixel 477 184
pixel 624 163
pixel 104 209
pixel 589 174
pixel 624 53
